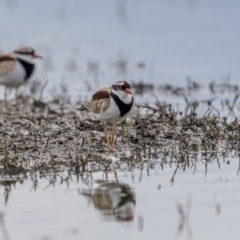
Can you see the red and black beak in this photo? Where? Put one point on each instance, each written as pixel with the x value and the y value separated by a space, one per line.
pixel 127 90
pixel 37 56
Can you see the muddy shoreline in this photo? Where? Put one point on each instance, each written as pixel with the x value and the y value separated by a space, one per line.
pixel 52 136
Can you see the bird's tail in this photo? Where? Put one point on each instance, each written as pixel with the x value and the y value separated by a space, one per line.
pixel 82 108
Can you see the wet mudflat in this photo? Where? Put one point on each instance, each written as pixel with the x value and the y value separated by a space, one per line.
pixel 174 173
pixel 53 136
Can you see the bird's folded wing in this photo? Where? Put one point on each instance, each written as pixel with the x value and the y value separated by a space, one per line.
pixel 100 101
pixel 7 63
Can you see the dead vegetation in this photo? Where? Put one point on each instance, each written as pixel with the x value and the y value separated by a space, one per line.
pixel 53 137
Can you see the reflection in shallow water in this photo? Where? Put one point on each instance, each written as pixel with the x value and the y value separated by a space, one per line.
pixel 114 199
pixel 184 218
pixel 212 186
pixel 8 185
pixel 2 227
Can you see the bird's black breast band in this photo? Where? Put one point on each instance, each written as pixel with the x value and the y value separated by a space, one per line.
pixel 123 107
pixel 29 67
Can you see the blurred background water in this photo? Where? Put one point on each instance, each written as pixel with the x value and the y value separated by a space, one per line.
pixel 90 44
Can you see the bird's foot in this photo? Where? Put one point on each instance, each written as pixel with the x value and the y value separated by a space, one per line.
pixel 110 147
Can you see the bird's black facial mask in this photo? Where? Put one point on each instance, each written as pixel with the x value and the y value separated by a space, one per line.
pixel 124 86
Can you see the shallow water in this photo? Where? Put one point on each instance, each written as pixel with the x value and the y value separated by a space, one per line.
pixel 84 44
pixel 61 210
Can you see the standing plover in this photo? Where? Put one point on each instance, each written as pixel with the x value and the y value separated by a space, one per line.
pixel 111 105
pixel 16 68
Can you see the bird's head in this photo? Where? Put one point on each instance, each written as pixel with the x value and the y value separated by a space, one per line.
pixel 27 52
pixel 122 89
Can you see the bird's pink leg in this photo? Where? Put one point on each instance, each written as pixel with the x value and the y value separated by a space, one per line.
pixel 113 135
pixel 5 97
pixel 106 136
pixel 16 97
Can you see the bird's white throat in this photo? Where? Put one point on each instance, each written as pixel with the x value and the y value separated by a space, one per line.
pixel 123 96
pixel 27 58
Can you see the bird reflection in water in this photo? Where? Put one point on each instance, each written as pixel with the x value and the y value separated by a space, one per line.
pixel 114 199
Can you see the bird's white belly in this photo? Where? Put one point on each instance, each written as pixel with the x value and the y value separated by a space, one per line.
pixel 15 77
pixel 111 115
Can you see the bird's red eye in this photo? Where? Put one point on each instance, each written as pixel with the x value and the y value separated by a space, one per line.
pixel 119 87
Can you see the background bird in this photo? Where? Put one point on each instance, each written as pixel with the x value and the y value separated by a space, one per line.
pixel 111 105
pixel 17 68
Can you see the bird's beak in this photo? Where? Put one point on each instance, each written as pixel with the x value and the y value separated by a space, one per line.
pixel 37 56
pixel 127 90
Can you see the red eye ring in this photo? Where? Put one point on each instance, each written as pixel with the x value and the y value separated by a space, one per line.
pixel 119 87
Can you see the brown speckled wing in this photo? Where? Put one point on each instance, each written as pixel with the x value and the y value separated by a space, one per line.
pixel 7 63
pixel 100 101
